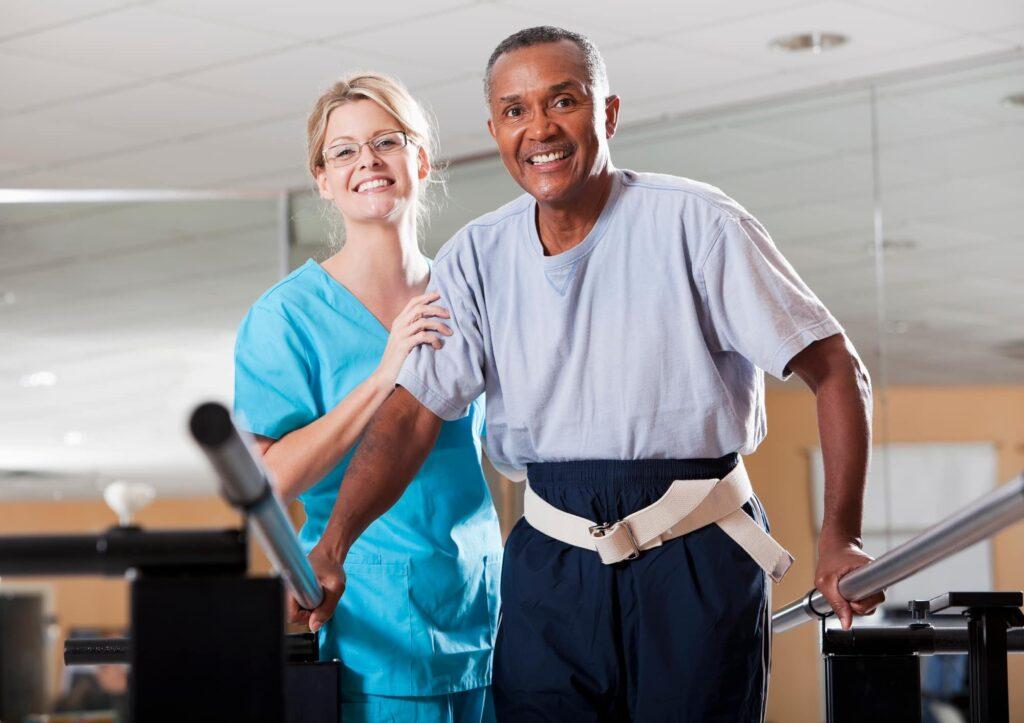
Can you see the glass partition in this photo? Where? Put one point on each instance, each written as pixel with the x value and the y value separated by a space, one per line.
pixel 116 319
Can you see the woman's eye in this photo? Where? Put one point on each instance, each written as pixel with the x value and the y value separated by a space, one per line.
pixel 343 153
pixel 385 143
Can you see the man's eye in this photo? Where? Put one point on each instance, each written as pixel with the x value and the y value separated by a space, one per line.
pixel 563 102
pixel 514 112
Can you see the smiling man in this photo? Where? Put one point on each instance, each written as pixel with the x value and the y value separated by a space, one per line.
pixel 619 323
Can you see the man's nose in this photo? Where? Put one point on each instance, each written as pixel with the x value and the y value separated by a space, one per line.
pixel 541 126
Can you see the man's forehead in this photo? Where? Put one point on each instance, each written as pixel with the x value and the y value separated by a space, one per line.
pixel 539 67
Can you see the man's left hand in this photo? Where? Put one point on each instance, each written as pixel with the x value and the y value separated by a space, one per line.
pixel 835 560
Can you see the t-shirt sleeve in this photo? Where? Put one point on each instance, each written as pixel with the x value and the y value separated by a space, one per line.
pixel 273 391
pixel 756 303
pixel 446 380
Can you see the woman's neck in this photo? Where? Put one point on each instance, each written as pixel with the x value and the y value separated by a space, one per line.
pixel 380 262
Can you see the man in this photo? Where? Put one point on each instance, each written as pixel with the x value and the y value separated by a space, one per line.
pixel 618 323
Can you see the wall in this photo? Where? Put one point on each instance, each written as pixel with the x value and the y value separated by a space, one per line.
pixel 781 476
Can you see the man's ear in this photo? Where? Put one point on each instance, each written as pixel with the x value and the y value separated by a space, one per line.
pixel 490 129
pixel 321 184
pixel 611 115
pixel 424 164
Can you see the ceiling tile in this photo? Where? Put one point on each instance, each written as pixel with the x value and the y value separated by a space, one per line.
pixel 143 42
pixel 460 41
pixel 43 138
pixel 293 79
pixel 646 69
pixel 311 18
pixel 904 59
pixel 26 16
pixel 1013 34
pixel 955 14
pixel 32 83
pixel 161 110
pixel 871 32
pixel 646 18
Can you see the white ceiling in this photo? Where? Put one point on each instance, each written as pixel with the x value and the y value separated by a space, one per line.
pixel 133 306
pixel 192 93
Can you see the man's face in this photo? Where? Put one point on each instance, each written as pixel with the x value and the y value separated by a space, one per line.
pixel 551 125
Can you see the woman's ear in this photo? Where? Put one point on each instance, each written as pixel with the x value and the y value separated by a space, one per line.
pixel 321 184
pixel 424 163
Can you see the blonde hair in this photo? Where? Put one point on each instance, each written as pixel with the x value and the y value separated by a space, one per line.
pixel 396 100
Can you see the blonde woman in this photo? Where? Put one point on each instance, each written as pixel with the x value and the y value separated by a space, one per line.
pixel 316 356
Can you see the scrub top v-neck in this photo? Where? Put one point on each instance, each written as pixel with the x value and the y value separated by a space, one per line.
pixel 419 612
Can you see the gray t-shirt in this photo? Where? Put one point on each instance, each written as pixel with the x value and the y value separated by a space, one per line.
pixel 645 341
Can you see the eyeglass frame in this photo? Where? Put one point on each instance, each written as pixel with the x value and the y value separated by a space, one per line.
pixel 405 142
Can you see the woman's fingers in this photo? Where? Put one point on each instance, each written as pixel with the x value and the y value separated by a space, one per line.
pixel 416 313
pixel 422 299
pixel 429 324
pixel 425 337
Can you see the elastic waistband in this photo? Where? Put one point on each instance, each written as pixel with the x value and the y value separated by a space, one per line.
pixel 627 472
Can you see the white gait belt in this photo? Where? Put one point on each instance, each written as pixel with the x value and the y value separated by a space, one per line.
pixel 688 505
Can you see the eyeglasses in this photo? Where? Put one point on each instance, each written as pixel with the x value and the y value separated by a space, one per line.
pixel 345 153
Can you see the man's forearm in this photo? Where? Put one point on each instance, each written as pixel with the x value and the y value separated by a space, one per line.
pixel 844 426
pixel 397 441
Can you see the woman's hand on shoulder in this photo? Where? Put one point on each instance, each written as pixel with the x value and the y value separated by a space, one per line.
pixel 416 324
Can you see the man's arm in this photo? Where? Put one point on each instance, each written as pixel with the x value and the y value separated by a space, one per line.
pixel 397 441
pixel 842 388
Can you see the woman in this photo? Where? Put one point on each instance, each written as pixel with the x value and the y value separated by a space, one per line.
pixel 314 360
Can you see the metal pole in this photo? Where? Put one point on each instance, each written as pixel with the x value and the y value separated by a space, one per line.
pixel 979 520
pixel 245 484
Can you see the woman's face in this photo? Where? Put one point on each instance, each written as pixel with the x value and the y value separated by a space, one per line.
pixel 375 186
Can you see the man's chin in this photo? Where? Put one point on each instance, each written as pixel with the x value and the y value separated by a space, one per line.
pixel 548 192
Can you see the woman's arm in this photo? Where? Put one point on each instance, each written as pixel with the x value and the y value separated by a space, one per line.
pixel 301 458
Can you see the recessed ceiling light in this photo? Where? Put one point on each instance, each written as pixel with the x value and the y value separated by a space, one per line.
pixel 38 379
pixel 816 42
pixel 1014 101
pixel 7 298
pixel 893 245
pixel 74 438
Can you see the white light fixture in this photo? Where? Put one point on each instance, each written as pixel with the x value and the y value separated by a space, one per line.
pixel 74 438
pixel 38 379
pixel 817 42
pixel 7 298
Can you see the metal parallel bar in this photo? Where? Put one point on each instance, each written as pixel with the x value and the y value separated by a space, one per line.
pixel 124 548
pixel 981 519
pixel 299 648
pixel 987 636
pixel 245 484
pixel 901 640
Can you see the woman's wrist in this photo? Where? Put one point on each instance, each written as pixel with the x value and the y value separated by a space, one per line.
pixel 382 383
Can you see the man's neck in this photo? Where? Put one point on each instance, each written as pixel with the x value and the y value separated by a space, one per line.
pixel 565 225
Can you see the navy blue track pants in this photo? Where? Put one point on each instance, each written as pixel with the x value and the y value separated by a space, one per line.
pixel 679 634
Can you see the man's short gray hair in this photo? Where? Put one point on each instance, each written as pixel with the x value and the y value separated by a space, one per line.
pixel 597 74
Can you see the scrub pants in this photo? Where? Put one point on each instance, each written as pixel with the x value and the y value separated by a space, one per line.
pixel 470 706
pixel 679 634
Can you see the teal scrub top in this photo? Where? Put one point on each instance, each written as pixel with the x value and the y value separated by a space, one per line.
pixel 420 609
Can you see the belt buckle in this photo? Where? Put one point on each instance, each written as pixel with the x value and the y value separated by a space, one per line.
pixel 607 528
